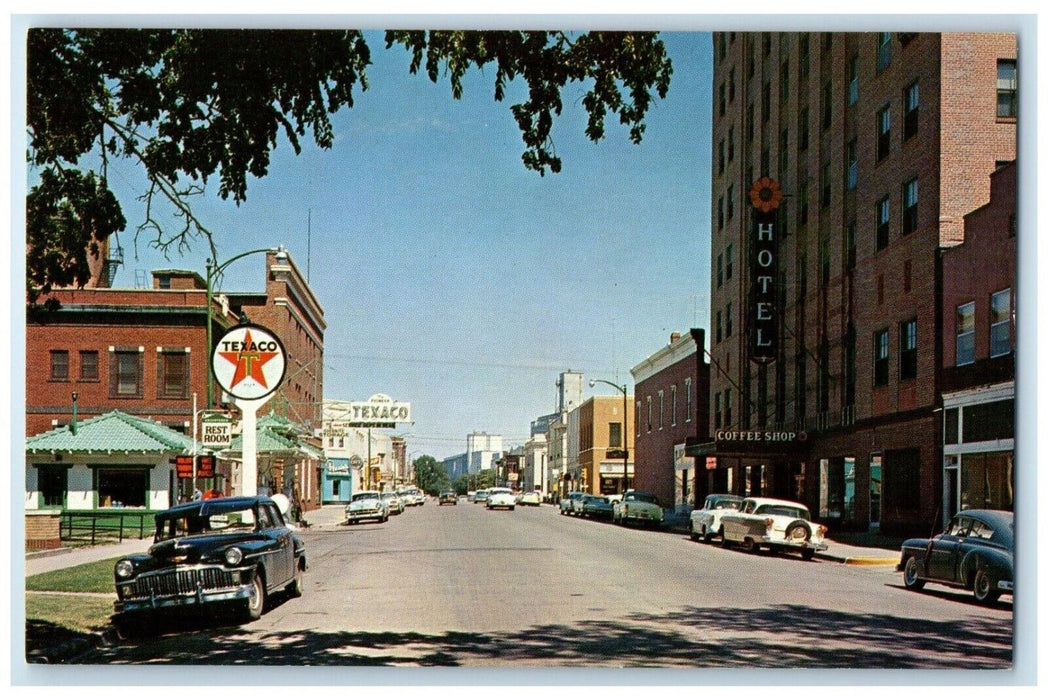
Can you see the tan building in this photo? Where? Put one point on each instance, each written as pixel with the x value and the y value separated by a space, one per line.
pixel 601 441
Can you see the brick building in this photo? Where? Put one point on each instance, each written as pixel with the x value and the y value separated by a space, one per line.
pixel 881 144
pixel 672 389
pixel 602 436
pixel 144 352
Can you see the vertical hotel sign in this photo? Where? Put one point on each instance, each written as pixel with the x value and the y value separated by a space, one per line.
pixel 765 196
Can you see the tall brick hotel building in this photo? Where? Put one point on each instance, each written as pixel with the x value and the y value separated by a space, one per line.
pixel 882 144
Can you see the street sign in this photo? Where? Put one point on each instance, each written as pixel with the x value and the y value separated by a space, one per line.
pixel 216 431
pixel 249 362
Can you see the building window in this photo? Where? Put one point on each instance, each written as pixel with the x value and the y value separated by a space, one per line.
pixel 125 374
pixel 173 374
pixel 883 214
pixel 59 365
pixel 89 365
pixel 164 282
pixel 719 327
pixel 909 207
pixel 827 189
pixel 884 50
pixel 727 407
pixel 662 409
pixel 880 358
pixel 720 269
pixel 1001 323
pixel 853 80
pixel 802 195
pixel 720 213
pixel 849 242
pixel 908 350
pixel 720 157
pixel 727 321
pixel 884 132
pixel 673 405
pixel 731 144
pixel 731 202
pixel 765 162
pixel 614 434
pixel 852 156
pixel 723 99
pixel 784 82
pixel 827 105
pixel 805 59
pixel 784 161
pixel 1007 84
pixel 731 85
pixel 766 102
pixel 729 260
pixel 687 400
pixel 824 261
pixel 649 414
pixel 122 487
pixel 750 122
pixel 52 483
pixel 965 328
pixel 802 126
pixel 911 109
pixel 717 411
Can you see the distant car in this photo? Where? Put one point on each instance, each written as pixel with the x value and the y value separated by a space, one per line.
pixel 393 502
pixel 566 502
pixel 596 507
pixel 233 552
pixel 639 507
pixel 775 524
pixel 501 498
pixel 576 502
pixel 448 497
pixel 706 522
pixel 367 505
pixel 530 498
pixel 976 552
pixel 481 496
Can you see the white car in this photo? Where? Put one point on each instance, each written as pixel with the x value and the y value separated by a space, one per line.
pixel 530 498
pixel 367 505
pixel 775 524
pixel 501 498
pixel 706 522
pixel 393 502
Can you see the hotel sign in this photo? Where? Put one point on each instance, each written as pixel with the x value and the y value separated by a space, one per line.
pixel 765 196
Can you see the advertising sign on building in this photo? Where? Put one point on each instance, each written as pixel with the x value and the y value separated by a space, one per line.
pixel 216 431
pixel 249 362
pixel 379 411
pixel 763 312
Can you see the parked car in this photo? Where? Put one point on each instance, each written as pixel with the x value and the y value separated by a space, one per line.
pixel 232 552
pixel 576 502
pixel 499 497
pixel 976 552
pixel 775 524
pixel 706 522
pixel 565 503
pixel 596 507
pixel 367 505
pixel 412 496
pixel 481 496
pixel 530 498
pixel 448 497
pixel 637 506
pixel 393 503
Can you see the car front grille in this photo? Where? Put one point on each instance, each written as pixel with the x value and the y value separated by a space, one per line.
pixel 181 582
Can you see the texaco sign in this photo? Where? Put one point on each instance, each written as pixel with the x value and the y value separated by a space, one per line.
pixel 249 362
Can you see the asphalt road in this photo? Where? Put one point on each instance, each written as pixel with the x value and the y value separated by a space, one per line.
pixel 460 586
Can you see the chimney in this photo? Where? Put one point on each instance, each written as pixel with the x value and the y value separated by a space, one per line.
pixel 674 337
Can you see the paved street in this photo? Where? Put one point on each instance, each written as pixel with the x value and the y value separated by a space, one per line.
pixel 463 586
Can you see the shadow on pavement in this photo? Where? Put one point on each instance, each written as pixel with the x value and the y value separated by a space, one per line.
pixel 692 637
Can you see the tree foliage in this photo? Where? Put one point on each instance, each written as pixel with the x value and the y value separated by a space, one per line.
pixel 431 475
pixel 192 105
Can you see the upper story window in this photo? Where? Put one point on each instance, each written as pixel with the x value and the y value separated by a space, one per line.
pixel 687 400
pixel 909 207
pixel 853 80
pixel 804 51
pixel 880 358
pixel 1007 89
pixel 784 82
pixel 662 409
pixel 717 411
pixel 884 50
pixel 88 365
pixel 965 329
pixel 720 269
pixel 1001 323
pixel 883 217
pixel 827 105
pixel 802 127
pixel 673 405
pixel 911 110
pixel 784 160
pixel 125 373
pixel 884 132
pixel 723 99
pixel 649 414
pixel 173 374
pixel 731 202
pixel 59 365
pixel 729 260
pixel 851 152
pixel 614 434
pixel 908 350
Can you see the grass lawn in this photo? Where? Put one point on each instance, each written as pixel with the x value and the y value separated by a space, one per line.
pixel 96 577
pixel 76 613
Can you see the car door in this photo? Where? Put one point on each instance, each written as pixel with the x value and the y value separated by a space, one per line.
pixel 944 550
pixel 273 558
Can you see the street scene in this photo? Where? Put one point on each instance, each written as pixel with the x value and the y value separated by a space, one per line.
pixel 519 349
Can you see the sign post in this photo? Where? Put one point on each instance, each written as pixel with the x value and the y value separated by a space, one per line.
pixel 249 363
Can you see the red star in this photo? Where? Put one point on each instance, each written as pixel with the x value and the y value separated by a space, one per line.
pixel 249 362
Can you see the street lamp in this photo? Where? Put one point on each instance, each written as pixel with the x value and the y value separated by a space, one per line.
pixel 213 270
pixel 625 432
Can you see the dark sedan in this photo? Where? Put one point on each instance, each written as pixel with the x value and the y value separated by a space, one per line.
pixel 231 552
pixel 596 507
pixel 976 552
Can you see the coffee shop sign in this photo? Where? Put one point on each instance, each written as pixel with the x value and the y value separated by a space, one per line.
pixel 761 436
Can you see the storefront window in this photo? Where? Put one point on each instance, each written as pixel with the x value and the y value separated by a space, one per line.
pixel 52 482
pixel 831 488
pixel 987 481
pixel 122 487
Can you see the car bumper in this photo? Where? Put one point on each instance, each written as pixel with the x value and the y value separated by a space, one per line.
pixel 502 504
pixel 816 546
pixel 364 515
pixel 1006 586
pixel 646 517
pixel 189 586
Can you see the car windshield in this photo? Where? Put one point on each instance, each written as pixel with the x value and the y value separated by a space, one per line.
pixel 363 495
pixel 724 504
pixel 185 524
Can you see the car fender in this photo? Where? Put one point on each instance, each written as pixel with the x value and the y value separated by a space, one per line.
pixel 991 560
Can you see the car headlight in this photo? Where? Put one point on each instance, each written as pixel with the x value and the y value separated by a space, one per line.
pixel 124 568
pixel 234 556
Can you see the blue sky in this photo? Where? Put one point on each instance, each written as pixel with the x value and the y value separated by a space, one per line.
pixel 453 278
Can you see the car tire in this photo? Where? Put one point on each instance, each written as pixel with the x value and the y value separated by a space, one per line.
pixel 751 546
pixel 694 535
pixel 797 532
pixel 983 587
pixel 725 542
pixel 296 588
pixel 910 577
pixel 256 602
pixel 707 536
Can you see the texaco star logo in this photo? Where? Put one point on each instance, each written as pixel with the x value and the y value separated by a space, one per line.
pixel 248 362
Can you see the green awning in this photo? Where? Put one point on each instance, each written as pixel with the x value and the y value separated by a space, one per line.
pixel 114 432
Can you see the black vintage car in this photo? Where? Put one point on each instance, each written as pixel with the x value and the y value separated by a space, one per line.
pixel 976 552
pixel 229 552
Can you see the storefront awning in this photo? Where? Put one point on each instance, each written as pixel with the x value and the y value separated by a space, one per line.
pixel 111 433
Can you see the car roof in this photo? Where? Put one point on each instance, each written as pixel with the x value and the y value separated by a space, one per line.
pixel 226 503
pixel 761 501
